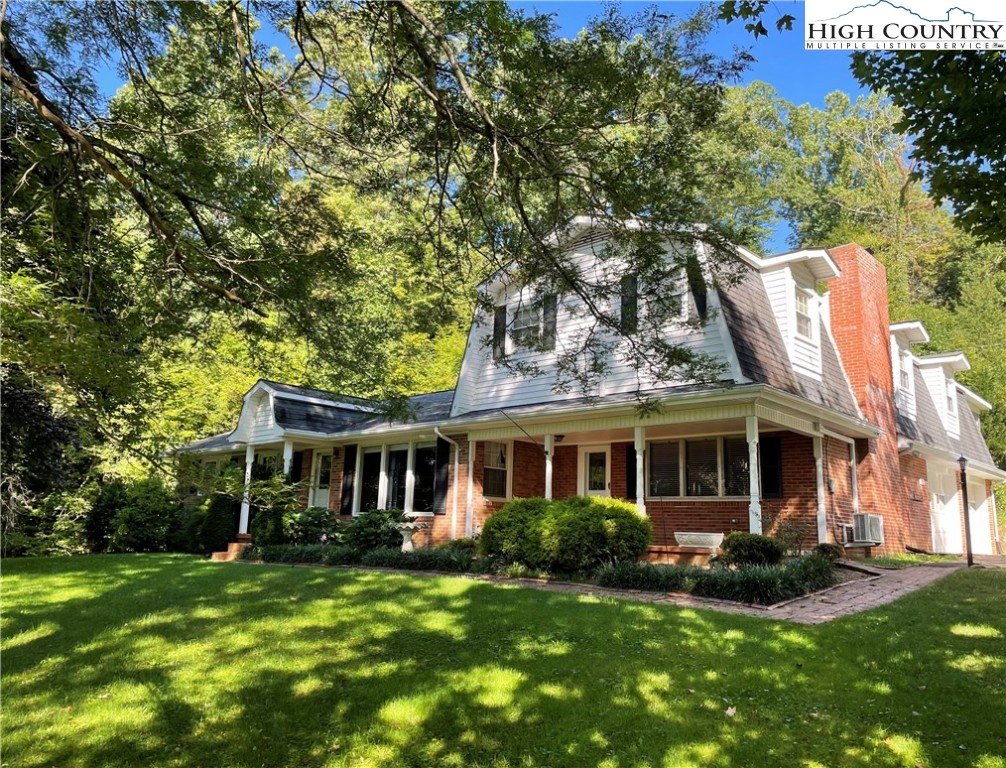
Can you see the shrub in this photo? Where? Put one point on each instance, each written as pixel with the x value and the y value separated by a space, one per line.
pixel 829 551
pixel 460 546
pixel 510 535
pixel 419 559
pixel 655 578
pixel 762 584
pixel 581 534
pixel 372 530
pixel 323 554
pixel 99 521
pixel 575 535
pixel 742 548
pixel 144 523
pixel 219 522
pixel 274 502
pixel 313 525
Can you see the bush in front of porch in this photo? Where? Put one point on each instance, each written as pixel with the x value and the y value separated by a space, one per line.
pixel 575 535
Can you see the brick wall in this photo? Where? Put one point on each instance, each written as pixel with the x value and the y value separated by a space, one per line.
pixel 860 324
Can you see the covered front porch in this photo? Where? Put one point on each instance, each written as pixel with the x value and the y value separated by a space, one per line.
pixel 748 467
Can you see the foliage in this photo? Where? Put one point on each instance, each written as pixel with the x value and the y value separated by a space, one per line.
pixel 321 554
pixel 372 530
pixel 830 551
pixel 418 559
pixel 950 102
pixel 751 11
pixel 507 534
pixel 314 525
pixel 218 523
pixel 147 519
pixel 274 502
pixel 742 548
pixel 761 584
pixel 100 521
pixel 575 535
pixel 439 659
pixel 462 546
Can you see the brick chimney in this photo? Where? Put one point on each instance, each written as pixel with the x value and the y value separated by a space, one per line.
pixel 860 325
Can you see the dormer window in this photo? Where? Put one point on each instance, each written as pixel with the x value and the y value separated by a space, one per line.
pixel 629 317
pixel 951 397
pixel 534 326
pixel 906 373
pixel 804 320
pixel 526 325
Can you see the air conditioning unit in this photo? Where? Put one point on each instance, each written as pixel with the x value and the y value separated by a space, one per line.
pixel 867 529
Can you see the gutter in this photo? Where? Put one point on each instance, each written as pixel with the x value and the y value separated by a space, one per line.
pixel 457 455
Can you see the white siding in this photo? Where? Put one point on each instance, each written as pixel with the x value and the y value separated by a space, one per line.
pixel 781 285
pixel 483 385
pixel 936 382
pixel 262 428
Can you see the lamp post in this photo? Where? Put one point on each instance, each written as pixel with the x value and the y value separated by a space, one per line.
pixel 967 511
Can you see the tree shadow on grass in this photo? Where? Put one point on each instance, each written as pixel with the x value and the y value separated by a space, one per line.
pixel 250 666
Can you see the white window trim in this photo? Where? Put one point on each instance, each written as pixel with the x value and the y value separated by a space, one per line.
pixel 384 482
pixel 811 314
pixel 509 470
pixel 581 471
pixel 682 485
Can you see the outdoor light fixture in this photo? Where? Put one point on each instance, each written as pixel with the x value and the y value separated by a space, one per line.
pixel 967 512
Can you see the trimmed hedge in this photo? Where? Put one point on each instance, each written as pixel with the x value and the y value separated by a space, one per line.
pixel 419 559
pixel 762 584
pixel 576 535
pixel 308 554
pixel 740 548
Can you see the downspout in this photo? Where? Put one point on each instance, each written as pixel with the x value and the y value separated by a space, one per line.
pixel 454 503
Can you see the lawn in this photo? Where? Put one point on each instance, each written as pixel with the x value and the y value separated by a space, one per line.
pixel 174 661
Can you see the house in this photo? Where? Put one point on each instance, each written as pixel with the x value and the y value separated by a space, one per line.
pixel 823 419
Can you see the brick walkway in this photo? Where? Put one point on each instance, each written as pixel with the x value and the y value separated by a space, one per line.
pixel 841 600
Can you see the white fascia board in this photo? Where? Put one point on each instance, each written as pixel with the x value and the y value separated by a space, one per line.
pixel 955 361
pixel 975 400
pixel 981 469
pixel 855 427
pixel 817 260
pixel 911 331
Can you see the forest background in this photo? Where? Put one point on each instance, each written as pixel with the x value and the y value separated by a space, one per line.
pixel 235 212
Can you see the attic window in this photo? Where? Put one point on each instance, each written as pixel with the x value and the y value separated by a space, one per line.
pixel 906 368
pixel 804 321
pixel 525 325
pixel 951 396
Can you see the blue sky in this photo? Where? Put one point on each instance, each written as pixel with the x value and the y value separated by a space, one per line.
pixel 798 75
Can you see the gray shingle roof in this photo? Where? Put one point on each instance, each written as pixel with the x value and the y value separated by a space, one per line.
pixel 761 350
pixel 320 394
pixel 206 443
pixel 427 408
pixel 314 417
pixel 927 426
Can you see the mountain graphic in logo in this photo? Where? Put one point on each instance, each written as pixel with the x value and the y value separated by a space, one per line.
pixel 954 14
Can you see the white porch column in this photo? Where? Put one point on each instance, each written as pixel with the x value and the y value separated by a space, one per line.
pixel 549 443
pixel 287 456
pixel 469 527
pixel 822 519
pixel 382 483
pixel 410 478
pixel 639 443
pixel 246 502
pixel 754 477
pixel 855 476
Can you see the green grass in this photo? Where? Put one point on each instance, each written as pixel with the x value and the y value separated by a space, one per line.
pixel 174 661
pixel 908 559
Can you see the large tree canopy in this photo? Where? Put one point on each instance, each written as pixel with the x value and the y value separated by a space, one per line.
pixel 470 131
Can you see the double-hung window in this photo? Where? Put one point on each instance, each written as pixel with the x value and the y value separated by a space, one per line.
pixel 494 470
pixel 804 319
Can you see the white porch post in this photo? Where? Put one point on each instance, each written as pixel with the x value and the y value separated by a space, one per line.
pixel 549 443
pixel 639 443
pixel 287 456
pixel 382 484
pixel 410 478
pixel 822 520
pixel 855 476
pixel 471 489
pixel 754 476
pixel 246 502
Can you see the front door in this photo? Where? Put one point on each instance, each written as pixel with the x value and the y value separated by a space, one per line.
pixel 595 470
pixel 321 486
